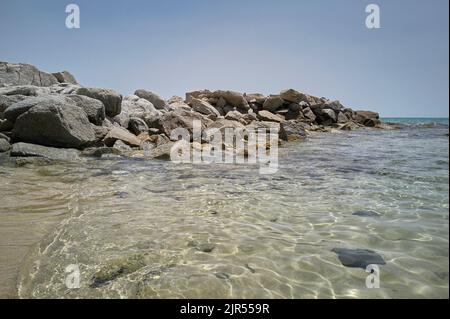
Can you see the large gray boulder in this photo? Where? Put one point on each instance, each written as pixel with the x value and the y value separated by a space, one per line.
pixel 153 98
pixel 134 106
pixel 24 74
pixel 181 119
pixel 17 109
pixel 64 88
pixel 234 116
pixel 203 107
pixel 65 77
pixel 137 125
pixel 327 117
pixel 257 98
pixel 294 96
pixel 342 118
pixel 110 99
pixel 309 114
pixel 54 122
pixel 94 109
pixel 272 103
pixel 269 117
pixel 26 90
pixel 6 101
pixel 233 98
pixel 295 130
pixel 367 118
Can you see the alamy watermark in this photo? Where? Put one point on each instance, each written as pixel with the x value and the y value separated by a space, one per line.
pixel 73 276
pixel 73 17
pixel 373 280
pixel 373 20
pixel 228 145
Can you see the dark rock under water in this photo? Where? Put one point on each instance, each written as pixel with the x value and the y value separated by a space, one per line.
pixel 358 258
pixel 366 213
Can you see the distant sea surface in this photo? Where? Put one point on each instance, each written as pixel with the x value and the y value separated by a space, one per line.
pixel 154 229
pixel 417 120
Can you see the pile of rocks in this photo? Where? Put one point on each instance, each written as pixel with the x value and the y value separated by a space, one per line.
pixel 52 116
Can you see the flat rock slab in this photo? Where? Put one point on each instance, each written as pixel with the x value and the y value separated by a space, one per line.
pixel 33 150
pixel 358 258
pixel 119 133
pixel 366 213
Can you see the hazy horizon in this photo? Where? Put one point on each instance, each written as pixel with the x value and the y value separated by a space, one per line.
pixel 318 47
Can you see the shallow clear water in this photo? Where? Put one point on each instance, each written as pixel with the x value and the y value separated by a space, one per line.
pixel 271 235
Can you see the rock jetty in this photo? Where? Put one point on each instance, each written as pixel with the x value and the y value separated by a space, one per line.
pixel 41 113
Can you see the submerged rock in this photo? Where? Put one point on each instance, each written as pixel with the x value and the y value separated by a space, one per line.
pixel 206 247
pixel 222 275
pixel 121 147
pixel 349 126
pixel 358 258
pixel 51 153
pixel 366 213
pixel 203 247
pixel 117 268
pixel 100 151
pixel 160 152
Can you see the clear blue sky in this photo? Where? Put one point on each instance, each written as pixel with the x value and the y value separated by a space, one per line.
pixel 316 46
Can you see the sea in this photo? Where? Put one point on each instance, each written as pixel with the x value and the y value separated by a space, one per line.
pixel 132 228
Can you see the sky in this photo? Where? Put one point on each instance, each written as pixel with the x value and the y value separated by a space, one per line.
pixel 321 47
